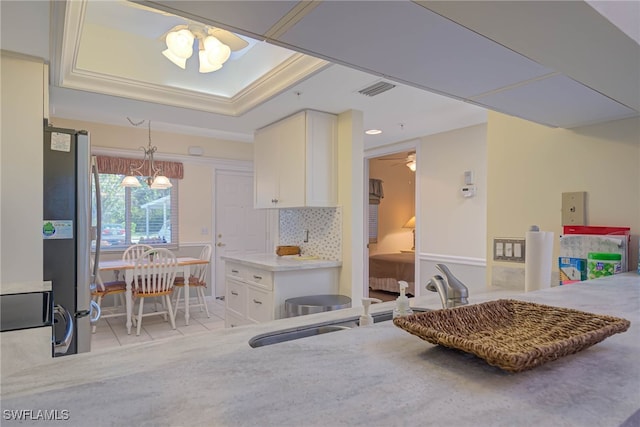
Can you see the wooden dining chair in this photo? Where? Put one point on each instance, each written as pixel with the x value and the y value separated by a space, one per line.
pixel 101 289
pixel 154 274
pixel 197 280
pixel 133 252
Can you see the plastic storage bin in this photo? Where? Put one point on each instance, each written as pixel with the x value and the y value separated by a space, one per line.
pixel 600 264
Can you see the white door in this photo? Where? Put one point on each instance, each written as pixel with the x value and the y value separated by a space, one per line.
pixel 239 228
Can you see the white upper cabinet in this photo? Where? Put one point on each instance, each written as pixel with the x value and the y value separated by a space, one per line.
pixel 295 161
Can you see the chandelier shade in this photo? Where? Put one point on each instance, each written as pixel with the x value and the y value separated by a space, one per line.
pixel 180 62
pixel 130 181
pixel 205 65
pixel 161 182
pixel 217 52
pixel 180 43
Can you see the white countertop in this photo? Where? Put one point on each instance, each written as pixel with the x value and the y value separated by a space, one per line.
pixel 372 376
pixel 24 287
pixel 273 262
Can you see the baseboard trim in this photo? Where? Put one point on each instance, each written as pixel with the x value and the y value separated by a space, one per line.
pixel 453 259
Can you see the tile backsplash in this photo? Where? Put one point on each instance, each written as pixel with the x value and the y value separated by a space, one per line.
pixel 324 227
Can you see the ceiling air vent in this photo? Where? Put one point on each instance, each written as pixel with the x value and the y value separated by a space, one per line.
pixel 377 88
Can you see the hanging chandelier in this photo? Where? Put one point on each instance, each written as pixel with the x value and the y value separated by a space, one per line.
pixel 147 170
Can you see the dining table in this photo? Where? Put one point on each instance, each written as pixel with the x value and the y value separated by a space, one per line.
pixel 127 266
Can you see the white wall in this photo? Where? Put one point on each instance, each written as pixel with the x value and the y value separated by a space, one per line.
pixel 351 196
pixel 451 229
pixel 531 165
pixel 21 157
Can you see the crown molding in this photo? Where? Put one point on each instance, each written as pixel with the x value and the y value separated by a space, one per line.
pixel 70 17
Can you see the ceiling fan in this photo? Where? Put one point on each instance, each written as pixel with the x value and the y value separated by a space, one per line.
pixel 214 44
pixel 201 31
pixel 409 160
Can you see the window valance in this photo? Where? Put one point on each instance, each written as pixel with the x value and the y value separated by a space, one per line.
pixel 122 166
pixel 375 191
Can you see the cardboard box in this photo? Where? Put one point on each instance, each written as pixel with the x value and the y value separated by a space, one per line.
pixel 572 270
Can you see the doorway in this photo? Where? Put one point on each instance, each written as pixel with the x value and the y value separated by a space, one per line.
pixel 391 251
pixel 239 228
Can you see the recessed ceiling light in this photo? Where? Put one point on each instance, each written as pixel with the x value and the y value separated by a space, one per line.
pixel 373 132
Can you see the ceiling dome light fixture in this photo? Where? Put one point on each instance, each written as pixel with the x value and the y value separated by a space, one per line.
pixel 212 52
pixel 373 132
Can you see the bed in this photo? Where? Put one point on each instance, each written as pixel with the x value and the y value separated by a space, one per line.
pixel 385 270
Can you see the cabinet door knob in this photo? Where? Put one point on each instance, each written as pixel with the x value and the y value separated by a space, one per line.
pixel 221 244
pixel 235 294
pixel 257 302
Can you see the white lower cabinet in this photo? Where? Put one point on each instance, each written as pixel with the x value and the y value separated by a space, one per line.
pixel 236 298
pixel 256 295
pixel 259 305
pixel 231 320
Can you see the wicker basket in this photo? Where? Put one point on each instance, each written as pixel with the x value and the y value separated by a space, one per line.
pixel 287 250
pixel 513 335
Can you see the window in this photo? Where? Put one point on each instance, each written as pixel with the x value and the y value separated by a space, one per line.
pixel 137 215
pixel 373 223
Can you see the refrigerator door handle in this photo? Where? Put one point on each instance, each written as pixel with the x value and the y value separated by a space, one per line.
pixel 96 184
pixel 61 347
pixel 95 312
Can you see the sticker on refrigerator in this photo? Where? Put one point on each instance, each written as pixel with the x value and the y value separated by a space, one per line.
pixel 60 141
pixel 57 229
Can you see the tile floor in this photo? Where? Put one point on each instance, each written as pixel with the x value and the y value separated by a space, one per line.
pixel 112 332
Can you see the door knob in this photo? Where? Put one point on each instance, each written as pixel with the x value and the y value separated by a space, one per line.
pixel 221 244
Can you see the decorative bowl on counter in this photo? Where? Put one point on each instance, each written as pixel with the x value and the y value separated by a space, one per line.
pixel 513 335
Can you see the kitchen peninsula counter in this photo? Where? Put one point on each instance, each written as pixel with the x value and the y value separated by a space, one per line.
pixel 372 376
pixel 272 262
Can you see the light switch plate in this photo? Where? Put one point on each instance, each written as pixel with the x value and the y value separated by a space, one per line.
pixel 509 249
pixel 574 208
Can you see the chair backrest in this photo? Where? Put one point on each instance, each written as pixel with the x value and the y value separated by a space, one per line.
pixel 201 271
pixel 99 285
pixel 155 271
pixel 133 252
pixel 205 253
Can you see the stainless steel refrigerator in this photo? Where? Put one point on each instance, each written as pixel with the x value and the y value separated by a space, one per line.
pixel 67 236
